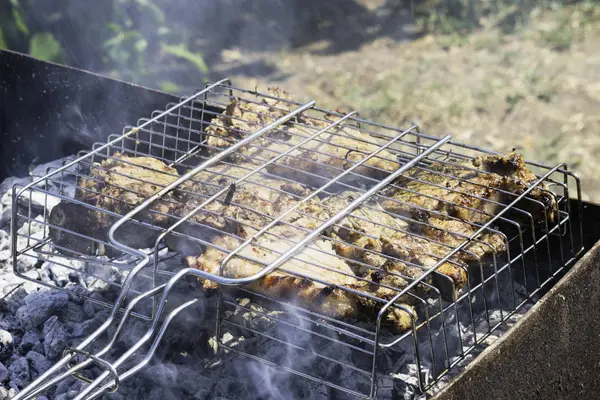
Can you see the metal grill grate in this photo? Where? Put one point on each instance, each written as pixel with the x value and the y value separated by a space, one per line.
pixel 353 237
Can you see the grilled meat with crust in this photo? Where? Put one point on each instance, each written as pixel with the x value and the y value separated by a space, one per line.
pixel 325 156
pixel 117 184
pixel 244 209
pixel 459 189
pixel 450 202
pixel 316 262
pixel 259 206
pixel 373 235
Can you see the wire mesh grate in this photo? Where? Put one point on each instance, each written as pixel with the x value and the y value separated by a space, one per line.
pixel 315 230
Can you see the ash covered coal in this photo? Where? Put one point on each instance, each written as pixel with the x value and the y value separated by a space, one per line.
pixel 37 323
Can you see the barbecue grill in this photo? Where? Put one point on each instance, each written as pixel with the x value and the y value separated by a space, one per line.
pixel 445 326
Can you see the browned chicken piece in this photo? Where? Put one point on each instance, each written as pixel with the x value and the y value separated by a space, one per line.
pixel 370 219
pixel 540 202
pixel 510 164
pixel 242 117
pixel 361 230
pixel 117 184
pixel 423 252
pixel 325 156
pixel 243 209
pixel 370 236
pixel 454 232
pixel 465 192
pixel 316 262
pixel 456 201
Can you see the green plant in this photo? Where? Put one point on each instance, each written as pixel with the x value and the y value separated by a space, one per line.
pixel 44 46
pixel 559 39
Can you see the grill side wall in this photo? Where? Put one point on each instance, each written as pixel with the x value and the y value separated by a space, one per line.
pixel 49 111
pixel 554 351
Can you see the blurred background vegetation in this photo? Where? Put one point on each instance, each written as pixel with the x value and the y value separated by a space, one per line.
pixel 167 43
pixel 500 74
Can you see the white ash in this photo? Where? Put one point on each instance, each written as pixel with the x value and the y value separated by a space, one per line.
pixel 38 323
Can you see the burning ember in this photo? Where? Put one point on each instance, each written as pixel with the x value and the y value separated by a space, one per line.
pixel 271 249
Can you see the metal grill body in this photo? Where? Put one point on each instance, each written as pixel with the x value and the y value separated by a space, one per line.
pixel 273 143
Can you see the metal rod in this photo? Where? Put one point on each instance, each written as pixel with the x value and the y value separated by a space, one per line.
pixel 334 219
pixel 210 162
pixel 474 235
pixel 185 121
pixel 282 259
pixel 128 281
pixel 88 390
pixel 240 180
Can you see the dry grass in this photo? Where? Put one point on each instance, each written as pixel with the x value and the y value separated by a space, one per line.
pixel 536 89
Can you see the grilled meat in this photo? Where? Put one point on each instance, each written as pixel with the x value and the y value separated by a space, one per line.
pixel 325 156
pixel 251 208
pixel 461 190
pixel 540 202
pixel 370 236
pixel 317 262
pixel 453 232
pixel 116 185
pixel 376 250
pixel 243 209
pixel 450 202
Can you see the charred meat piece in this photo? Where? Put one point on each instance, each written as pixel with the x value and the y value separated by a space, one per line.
pixel 451 275
pixel 317 262
pixel 325 156
pixel 453 232
pixel 253 205
pixel 243 117
pixel 540 202
pixel 116 185
pixel 362 229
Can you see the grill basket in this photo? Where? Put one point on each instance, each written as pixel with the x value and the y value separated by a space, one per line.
pixel 444 324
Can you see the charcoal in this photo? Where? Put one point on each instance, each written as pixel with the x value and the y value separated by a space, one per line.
pixel 55 337
pixel 114 396
pixel 38 200
pixel 19 373
pixel 4 243
pixel 3 373
pixel 64 386
pixel 30 339
pixel 39 306
pixel 72 313
pixel 38 363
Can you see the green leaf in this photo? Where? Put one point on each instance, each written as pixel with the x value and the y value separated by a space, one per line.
pixel 19 20
pixel 44 46
pixel 169 87
pixel 181 51
pixel 140 45
pixel 159 15
pixel 2 42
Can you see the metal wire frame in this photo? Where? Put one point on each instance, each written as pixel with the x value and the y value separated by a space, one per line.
pixel 190 147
